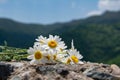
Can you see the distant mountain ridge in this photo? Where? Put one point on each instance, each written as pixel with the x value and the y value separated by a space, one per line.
pixel 97 37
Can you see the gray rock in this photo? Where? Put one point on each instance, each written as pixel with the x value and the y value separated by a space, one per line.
pixel 105 65
pixel 100 76
pixel 16 78
pixel 115 69
pixel 86 71
pixel 97 74
pixel 16 64
pixel 77 76
pixel 44 69
pixel 63 72
pixel 5 70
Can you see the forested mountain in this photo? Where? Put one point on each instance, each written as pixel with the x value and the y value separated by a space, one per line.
pixel 20 34
pixel 96 37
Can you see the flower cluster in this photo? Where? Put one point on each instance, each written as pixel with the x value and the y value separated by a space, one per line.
pixel 53 50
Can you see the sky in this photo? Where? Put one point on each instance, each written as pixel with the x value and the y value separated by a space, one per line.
pixel 52 11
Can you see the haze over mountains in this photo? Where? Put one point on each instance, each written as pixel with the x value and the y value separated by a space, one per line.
pixel 96 37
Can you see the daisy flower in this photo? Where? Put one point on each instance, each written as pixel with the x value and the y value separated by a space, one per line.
pixel 60 57
pixel 54 43
pixel 37 55
pixel 50 57
pixel 73 56
pixel 40 40
pixel 53 50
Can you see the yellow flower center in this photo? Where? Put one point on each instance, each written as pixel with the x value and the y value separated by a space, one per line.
pixel 38 55
pixel 54 57
pixel 75 59
pixel 68 61
pixel 52 44
pixel 48 57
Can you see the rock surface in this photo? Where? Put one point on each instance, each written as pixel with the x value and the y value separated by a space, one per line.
pixel 5 70
pixel 86 71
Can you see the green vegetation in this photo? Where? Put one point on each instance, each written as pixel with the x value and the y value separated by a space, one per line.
pixel 115 60
pixel 96 37
pixel 11 53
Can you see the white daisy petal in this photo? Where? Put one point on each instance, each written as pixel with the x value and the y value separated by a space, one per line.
pixel 30 56
pixel 51 37
pixel 80 62
pixel 30 50
pixel 33 61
